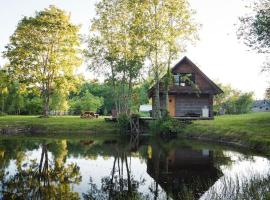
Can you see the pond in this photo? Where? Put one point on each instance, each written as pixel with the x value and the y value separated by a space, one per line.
pixel 112 169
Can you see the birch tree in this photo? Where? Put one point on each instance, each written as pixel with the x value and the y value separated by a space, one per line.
pixel 115 47
pixel 170 26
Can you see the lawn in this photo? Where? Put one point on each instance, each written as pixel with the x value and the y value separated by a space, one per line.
pixel 63 124
pixel 252 129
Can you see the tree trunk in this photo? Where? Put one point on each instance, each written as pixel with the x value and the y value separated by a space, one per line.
pixel 3 104
pixel 46 106
pixel 157 101
pixel 166 87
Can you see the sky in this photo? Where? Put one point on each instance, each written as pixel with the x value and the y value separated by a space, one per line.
pixel 218 53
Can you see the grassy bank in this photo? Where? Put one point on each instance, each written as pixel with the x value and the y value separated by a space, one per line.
pixel 252 130
pixel 62 124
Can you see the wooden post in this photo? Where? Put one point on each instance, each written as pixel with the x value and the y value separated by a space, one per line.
pixel 211 114
pixel 134 131
pixel 135 125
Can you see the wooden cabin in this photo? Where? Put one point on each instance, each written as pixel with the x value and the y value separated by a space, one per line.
pixel 191 93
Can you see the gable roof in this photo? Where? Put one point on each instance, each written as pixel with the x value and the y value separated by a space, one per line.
pixel 186 60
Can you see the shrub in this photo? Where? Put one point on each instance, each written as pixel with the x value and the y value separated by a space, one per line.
pixel 123 122
pixel 2 113
pixel 166 126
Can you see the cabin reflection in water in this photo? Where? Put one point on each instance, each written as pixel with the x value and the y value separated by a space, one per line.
pixel 182 172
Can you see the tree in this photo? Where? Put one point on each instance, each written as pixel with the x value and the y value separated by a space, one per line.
pixel 116 47
pixel 244 103
pixel 169 25
pixel 103 90
pixel 15 98
pixel 43 52
pixel 267 93
pixel 232 101
pixel 255 30
pixel 87 102
pixel 3 88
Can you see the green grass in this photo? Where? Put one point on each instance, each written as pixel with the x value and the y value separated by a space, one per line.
pixel 61 124
pixel 251 129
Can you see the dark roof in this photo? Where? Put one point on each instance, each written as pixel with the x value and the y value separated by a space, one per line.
pixel 186 60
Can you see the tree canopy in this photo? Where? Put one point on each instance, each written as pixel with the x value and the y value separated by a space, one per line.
pixel 255 31
pixel 43 52
pixel 130 36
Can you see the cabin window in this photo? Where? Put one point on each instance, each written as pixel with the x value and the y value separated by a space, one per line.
pixel 176 79
pixel 184 79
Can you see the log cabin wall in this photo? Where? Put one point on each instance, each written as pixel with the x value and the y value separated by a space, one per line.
pixel 190 104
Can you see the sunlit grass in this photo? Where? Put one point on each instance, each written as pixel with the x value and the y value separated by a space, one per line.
pixel 59 123
pixel 251 129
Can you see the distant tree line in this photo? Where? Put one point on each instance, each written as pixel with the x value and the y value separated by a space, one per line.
pixel 88 96
pixel 232 101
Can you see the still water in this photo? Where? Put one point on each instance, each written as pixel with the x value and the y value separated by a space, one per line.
pixel 109 169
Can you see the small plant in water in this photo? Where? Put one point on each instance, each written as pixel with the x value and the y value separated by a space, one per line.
pixel 256 187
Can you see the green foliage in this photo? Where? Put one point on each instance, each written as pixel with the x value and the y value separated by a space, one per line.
pixel 116 47
pixel 166 126
pixel 169 26
pixel 87 102
pixel 3 88
pixel 59 100
pixel 139 96
pixel 244 103
pixel 123 122
pixel 33 106
pixel 2 113
pixel 254 29
pixel 255 32
pixel 232 101
pixel 102 90
pixel 43 52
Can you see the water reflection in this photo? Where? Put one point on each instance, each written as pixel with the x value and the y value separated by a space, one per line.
pixel 120 184
pixel 182 172
pixel 93 169
pixel 41 178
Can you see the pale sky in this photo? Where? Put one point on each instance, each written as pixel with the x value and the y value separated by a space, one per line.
pixel 218 53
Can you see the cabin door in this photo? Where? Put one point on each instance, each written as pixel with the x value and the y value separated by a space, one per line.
pixel 171 105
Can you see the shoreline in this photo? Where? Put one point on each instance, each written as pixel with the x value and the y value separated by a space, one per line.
pixel 248 131
pixel 14 132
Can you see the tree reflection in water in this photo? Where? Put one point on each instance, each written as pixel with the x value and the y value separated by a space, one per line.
pixel 43 179
pixel 120 184
pixel 149 170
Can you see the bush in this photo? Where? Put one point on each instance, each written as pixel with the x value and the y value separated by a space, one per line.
pixel 2 113
pixel 166 126
pixel 123 122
